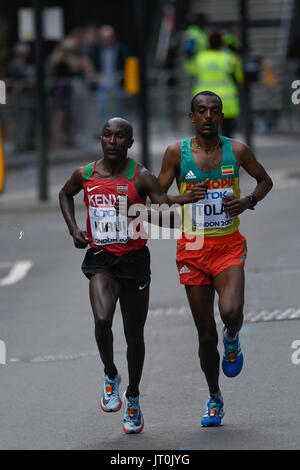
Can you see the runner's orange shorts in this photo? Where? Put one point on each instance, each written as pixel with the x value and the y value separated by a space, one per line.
pixel 201 266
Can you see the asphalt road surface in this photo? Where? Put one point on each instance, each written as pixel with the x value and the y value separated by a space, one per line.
pixel 52 379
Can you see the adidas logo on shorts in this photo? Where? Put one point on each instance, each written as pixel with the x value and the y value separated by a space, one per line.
pixel 190 175
pixel 184 270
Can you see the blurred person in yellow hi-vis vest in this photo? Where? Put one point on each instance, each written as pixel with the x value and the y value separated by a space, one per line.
pixel 195 40
pixel 220 71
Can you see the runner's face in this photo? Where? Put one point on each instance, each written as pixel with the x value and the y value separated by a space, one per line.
pixel 207 115
pixel 115 141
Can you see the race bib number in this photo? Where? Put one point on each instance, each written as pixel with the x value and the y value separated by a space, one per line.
pixel 210 212
pixel 108 227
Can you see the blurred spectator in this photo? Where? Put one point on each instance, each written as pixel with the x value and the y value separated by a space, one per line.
pixel 20 80
pixel 84 110
pixel 88 42
pixel 220 71
pixel 231 39
pixel 109 57
pixel 76 36
pixel 63 67
pixel 85 123
pixel 195 40
pixel 19 67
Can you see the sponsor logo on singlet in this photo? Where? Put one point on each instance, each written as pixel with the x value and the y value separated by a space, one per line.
pixel 94 187
pixel 107 227
pixel 211 212
pixel 190 175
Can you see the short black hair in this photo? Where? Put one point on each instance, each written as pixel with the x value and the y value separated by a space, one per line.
pixel 204 93
pixel 124 124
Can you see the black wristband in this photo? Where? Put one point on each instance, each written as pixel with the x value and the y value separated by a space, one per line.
pixel 253 201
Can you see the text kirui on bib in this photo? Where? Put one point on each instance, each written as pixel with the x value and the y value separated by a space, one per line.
pixel 108 227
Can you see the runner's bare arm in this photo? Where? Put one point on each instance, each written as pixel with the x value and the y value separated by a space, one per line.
pixel 148 186
pixel 170 170
pixel 170 167
pixel 66 200
pixel 246 158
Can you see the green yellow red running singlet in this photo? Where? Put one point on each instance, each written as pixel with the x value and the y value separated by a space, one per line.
pixel 208 216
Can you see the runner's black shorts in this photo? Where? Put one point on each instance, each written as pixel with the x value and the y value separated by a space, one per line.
pixel 132 269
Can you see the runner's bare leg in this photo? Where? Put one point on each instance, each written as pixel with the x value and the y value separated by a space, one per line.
pixel 134 308
pixel 201 300
pixel 104 293
pixel 230 285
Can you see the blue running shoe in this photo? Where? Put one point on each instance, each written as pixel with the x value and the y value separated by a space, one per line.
pixel 110 401
pixel 133 421
pixel 214 413
pixel 232 362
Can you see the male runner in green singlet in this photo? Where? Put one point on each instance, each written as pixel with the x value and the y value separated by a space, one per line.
pixel 218 265
pixel 116 264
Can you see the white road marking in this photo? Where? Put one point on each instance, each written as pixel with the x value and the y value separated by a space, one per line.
pixel 17 272
pixel 263 315
pixel 62 357
pixel 250 317
pixel 2 352
pixel 53 357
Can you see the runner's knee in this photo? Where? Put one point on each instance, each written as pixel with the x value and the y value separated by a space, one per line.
pixel 103 321
pixel 103 308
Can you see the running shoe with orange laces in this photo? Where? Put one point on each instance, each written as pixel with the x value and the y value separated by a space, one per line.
pixel 133 421
pixel 214 413
pixel 110 400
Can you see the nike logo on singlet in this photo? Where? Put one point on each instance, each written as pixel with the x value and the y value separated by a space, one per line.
pixel 94 187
